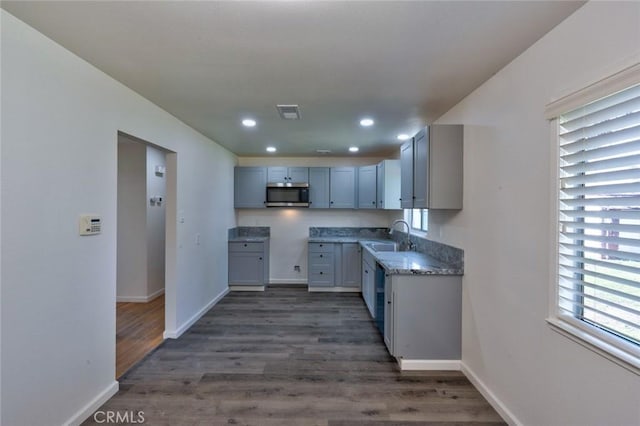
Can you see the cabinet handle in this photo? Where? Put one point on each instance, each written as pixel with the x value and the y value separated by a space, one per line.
pixel 260 258
pixel 320 245
pixel 388 302
pixel 245 245
pixel 331 202
pixel 320 273
pixel 320 255
pixel 366 272
pixel 373 202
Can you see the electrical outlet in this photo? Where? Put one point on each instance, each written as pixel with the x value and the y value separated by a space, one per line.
pixel 296 268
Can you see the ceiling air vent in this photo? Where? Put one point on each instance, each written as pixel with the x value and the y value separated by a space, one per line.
pixel 289 112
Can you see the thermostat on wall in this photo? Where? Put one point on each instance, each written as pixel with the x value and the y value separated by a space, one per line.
pixel 90 224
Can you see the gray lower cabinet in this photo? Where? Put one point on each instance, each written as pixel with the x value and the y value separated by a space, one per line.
pixel 343 188
pixel 423 316
pixel 319 188
pixel 369 282
pixel 248 263
pixel 367 191
pixel 249 190
pixel 334 265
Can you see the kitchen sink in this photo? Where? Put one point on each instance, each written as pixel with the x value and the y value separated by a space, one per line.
pixel 383 246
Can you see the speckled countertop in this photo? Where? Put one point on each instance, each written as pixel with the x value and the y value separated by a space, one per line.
pixel 248 239
pixel 397 262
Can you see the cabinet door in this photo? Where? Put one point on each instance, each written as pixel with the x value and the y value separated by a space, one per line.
pixel 368 287
pixel 388 315
pixel 421 169
pixel 380 185
pixel 319 187
pixel 298 174
pixel 406 175
pixel 246 268
pixel 367 187
pixel 277 174
pixel 250 187
pixel 351 265
pixel 343 188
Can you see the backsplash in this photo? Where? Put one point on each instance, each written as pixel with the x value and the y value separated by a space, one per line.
pixel 375 233
pixel 444 253
pixel 250 231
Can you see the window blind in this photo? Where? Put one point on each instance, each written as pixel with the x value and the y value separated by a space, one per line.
pixel 599 214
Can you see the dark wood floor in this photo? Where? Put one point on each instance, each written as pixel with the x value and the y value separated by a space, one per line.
pixel 139 329
pixel 289 357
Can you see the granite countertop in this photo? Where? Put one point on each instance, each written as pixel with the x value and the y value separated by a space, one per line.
pixel 248 239
pixel 397 262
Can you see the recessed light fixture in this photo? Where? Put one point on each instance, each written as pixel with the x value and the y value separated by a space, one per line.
pixel 248 122
pixel 354 149
pixel 366 122
pixel 403 137
pixel 271 149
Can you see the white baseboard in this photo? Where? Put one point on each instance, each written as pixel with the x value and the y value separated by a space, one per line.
pixel 174 334
pixel 429 364
pixel 140 299
pixel 92 406
pixel 495 402
pixel 302 281
pixel 334 290
pixel 246 287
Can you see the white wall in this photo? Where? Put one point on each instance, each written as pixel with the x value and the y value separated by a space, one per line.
pixel 60 118
pixel 131 277
pixel 290 227
pixel 542 377
pixel 155 229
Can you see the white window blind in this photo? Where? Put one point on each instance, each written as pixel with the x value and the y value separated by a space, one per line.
pixel 599 216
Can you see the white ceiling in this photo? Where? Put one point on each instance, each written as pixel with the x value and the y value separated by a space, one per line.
pixel 213 63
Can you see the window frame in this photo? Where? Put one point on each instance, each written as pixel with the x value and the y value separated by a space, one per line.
pixel 608 345
pixel 424 227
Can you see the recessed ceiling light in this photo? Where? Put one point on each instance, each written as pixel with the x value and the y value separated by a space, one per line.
pixel 366 122
pixel 271 149
pixel 403 137
pixel 248 122
pixel 354 149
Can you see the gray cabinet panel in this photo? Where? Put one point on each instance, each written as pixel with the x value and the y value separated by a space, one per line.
pixel 276 174
pixel 246 268
pixel 288 174
pixel 406 175
pixel 248 263
pixel 343 187
pixel 425 316
pixel 298 174
pixel 319 187
pixel 249 189
pixel 368 283
pixel 351 273
pixel 421 169
pixel 388 184
pixel 367 187
pixel 436 172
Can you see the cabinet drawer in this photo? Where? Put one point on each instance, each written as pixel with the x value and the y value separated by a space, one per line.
pixel 321 258
pixel 246 247
pixel 320 275
pixel 321 247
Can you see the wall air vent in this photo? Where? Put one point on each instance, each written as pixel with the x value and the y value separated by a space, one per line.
pixel 323 151
pixel 289 112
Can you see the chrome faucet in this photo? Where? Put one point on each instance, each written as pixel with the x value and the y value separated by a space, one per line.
pixel 409 243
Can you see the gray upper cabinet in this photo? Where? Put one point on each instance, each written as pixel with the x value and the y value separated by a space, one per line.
pixel 433 179
pixel 287 174
pixel 249 191
pixel 319 187
pixel 388 187
pixel 367 191
pixel 406 175
pixel 343 188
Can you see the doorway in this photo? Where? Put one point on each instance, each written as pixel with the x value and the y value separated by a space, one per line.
pixel 141 249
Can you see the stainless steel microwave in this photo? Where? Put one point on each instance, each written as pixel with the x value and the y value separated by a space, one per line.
pixel 287 194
